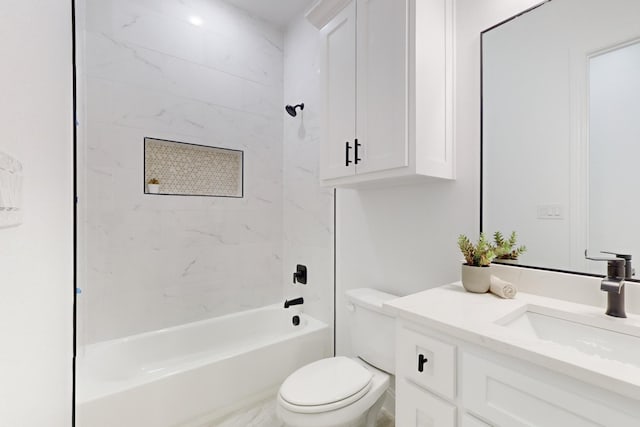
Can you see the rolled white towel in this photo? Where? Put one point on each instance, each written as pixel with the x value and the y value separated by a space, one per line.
pixel 502 288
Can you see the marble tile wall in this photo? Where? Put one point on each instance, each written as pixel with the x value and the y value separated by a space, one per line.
pixel 10 191
pixel 154 262
pixel 308 207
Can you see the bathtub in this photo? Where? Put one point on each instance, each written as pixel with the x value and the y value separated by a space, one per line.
pixel 191 374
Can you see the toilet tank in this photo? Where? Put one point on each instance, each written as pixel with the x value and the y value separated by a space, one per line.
pixel 372 331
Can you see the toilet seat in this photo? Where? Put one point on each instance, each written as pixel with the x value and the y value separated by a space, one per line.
pixel 352 409
pixel 325 385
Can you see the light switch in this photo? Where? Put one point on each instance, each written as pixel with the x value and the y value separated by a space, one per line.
pixel 552 211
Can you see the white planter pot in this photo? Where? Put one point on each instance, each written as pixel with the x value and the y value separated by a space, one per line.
pixel 153 188
pixel 476 279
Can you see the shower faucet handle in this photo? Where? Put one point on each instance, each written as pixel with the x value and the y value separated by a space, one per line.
pixel 300 275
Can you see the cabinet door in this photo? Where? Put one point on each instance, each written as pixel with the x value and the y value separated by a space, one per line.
pixel 339 87
pixel 418 408
pixel 382 81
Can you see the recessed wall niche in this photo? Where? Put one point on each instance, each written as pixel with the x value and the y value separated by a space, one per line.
pixel 185 169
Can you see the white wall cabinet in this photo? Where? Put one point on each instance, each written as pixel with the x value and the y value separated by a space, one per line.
pixel 493 390
pixel 388 89
pixel 339 53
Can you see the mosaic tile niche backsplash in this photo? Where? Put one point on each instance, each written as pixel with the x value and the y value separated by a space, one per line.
pixel 193 170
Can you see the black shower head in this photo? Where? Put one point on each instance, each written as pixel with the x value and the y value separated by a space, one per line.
pixel 292 110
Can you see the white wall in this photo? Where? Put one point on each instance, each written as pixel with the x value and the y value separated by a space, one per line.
pixel 403 239
pixel 158 261
pixel 308 208
pixel 36 258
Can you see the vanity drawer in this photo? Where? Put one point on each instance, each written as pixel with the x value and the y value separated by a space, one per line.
pixel 426 361
pixel 416 407
pixel 514 397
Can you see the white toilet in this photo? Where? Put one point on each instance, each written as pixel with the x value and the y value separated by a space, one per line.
pixel 342 391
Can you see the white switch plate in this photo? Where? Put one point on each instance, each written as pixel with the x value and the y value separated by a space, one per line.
pixel 553 211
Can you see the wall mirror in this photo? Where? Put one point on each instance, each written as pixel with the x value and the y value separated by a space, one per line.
pixel 561 131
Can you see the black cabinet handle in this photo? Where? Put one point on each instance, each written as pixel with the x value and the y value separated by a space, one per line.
pixel 347 148
pixel 421 361
pixel 358 159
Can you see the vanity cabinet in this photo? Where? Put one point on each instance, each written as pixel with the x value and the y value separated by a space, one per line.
pixel 387 68
pixel 425 380
pixel 416 407
pixel 510 394
pixel 492 389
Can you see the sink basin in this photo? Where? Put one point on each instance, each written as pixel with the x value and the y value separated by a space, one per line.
pixel 580 334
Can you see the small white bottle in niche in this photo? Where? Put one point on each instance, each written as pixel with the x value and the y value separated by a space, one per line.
pixel 153 186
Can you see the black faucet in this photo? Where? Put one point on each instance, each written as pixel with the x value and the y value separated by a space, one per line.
pixel 618 270
pixel 296 301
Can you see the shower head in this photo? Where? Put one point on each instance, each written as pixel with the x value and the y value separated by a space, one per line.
pixel 292 110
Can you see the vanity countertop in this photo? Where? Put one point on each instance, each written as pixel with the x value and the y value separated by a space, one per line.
pixel 477 318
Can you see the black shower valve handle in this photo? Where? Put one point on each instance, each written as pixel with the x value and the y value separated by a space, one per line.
pixel 300 275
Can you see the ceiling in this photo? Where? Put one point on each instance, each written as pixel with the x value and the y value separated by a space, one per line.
pixel 278 12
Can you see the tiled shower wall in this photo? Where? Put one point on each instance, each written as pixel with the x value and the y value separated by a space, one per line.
pixel 308 208
pixel 152 261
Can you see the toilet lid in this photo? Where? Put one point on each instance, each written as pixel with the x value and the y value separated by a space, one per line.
pixel 325 381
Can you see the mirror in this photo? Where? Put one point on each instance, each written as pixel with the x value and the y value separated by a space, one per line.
pixel 560 131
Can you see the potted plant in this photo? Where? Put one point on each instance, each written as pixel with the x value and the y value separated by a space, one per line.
pixel 153 186
pixel 476 271
pixel 506 250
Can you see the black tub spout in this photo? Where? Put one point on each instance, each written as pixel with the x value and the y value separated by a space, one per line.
pixel 297 301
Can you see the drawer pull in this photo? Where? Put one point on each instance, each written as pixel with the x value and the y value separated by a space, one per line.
pixel 421 361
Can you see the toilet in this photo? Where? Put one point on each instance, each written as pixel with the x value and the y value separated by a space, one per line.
pixel 342 391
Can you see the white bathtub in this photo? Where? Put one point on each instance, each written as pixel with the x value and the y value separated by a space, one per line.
pixel 193 373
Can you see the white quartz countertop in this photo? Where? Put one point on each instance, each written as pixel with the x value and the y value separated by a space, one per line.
pixel 475 318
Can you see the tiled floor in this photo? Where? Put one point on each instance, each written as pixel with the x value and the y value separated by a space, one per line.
pixel 264 415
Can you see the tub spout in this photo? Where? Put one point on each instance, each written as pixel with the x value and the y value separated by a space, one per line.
pixel 296 301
